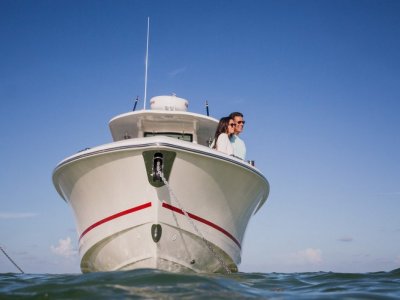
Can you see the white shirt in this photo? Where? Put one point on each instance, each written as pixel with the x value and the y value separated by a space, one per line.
pixel 223 144
pixel 239 147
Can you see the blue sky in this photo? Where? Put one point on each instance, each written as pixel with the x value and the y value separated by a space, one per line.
pixel 317 81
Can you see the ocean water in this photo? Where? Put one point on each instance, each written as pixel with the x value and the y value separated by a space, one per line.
pixel 153 284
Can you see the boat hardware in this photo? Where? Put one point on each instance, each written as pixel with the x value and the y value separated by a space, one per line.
pixel 252 162
pixel 157 165
pixel 136 101
pixel 207 243
pixel 164 159
pixel 209 142
pixel 182 238
pixel 156 231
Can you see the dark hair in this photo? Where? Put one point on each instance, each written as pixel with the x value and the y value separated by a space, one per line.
pixel 235 114
pixel 222 128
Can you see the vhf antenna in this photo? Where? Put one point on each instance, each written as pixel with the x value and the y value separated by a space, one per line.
pixel 208 113
pixel 147 59
pixel 136 101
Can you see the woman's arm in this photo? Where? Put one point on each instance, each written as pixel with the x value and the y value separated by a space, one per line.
pixel 224 144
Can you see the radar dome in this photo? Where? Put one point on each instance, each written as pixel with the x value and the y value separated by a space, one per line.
pixel 170 103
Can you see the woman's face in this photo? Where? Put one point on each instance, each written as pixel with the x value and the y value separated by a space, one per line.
pixel 231 127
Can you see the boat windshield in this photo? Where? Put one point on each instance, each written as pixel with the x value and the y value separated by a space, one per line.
pixel 180 136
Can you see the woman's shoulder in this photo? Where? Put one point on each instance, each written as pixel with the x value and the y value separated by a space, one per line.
pixel 224 136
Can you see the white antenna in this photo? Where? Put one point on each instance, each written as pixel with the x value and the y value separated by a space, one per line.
pixel 147 59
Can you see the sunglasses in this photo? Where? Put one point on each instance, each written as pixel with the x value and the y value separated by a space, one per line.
pixel 232 125
pixel 241 122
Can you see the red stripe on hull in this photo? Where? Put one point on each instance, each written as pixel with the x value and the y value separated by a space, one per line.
pixel 204 221
pixel 117 215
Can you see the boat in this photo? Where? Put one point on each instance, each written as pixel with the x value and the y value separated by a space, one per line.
pixel 158 196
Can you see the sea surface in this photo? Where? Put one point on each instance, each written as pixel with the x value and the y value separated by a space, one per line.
pixel 153 284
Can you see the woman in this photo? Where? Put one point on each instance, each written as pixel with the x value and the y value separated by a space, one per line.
pixel 226 127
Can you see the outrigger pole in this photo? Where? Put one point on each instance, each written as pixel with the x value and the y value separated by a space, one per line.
pixel 147 59
pixel 10 259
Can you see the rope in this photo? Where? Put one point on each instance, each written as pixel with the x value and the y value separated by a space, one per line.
pixel 207 243
pixel 10 259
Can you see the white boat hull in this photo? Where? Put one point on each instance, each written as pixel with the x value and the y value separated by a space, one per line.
pixel 116 205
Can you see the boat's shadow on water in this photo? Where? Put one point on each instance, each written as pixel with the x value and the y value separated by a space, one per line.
pixel 155 284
